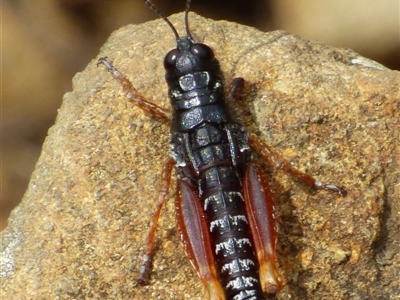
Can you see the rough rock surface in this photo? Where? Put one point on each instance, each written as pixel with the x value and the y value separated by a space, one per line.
pixel 80 229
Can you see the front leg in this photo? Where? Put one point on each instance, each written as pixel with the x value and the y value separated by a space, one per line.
pixel 132 94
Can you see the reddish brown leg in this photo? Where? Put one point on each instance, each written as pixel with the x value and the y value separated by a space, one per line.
pixel 132 94
pixel 235 88
pixel 280 164
pixel 196 239
pixel 165 182
pixel 274 158
pixel 260 209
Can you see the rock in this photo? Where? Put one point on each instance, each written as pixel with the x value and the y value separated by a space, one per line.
pixel 80 229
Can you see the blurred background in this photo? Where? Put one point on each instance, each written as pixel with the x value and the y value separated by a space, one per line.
pixel 45 42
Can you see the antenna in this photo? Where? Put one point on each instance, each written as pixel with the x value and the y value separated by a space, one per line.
pixel 187 9
pixel 155 9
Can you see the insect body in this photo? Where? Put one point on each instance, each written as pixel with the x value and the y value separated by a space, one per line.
pixel 224 207
pixel 212 154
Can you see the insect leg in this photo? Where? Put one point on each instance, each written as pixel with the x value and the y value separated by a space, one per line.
pixel 165 182
pixel 235 88
pixel 260 209
pixel 279 163
pixel 196 239
pixel 132 94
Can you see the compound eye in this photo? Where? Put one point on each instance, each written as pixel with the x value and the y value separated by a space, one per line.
pixel 170 59
pixel 203 51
